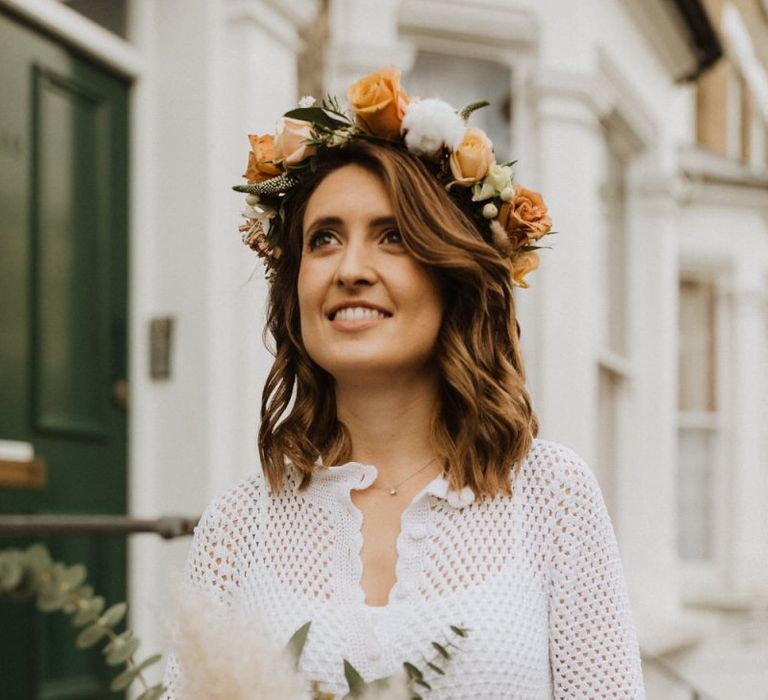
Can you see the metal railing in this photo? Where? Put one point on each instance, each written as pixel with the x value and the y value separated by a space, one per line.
pixel 168 527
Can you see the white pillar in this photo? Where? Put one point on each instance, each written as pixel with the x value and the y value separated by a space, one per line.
pixel 747 551
pixel 569 153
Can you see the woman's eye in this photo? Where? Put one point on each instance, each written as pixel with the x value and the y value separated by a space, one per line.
pixel 393 236
pixel 319 239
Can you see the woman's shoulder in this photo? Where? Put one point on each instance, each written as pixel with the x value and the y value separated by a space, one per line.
pixel 556 468
pixel 238 503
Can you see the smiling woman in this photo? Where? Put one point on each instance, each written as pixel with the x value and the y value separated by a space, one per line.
pixel 403 494
pixel 360 292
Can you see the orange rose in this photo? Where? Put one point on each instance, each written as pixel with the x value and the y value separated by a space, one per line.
pixel 291 142
pixel 472 159
pixel 260 160
pixel 522 264
pixel 379 103
pixel 525 216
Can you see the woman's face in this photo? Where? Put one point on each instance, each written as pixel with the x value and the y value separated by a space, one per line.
pixel 353 259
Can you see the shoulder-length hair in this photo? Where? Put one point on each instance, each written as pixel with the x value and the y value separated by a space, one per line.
pixel 484 424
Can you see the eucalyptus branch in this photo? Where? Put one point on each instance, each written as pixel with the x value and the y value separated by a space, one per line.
pixel 32 574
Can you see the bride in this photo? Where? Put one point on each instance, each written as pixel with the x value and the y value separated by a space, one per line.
pixel 403 492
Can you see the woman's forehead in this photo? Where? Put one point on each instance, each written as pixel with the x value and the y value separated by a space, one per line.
pixel 348 192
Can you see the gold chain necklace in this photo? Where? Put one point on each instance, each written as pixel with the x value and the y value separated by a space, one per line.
pixel 392 490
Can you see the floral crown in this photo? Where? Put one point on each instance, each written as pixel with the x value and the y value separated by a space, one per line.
pixel 509 217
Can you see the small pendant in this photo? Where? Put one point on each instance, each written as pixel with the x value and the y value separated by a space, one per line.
pixel 393 491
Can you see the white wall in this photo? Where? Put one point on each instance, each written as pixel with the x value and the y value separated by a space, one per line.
pixel 194 435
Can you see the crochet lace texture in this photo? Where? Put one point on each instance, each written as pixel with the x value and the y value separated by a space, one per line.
pixel 536 576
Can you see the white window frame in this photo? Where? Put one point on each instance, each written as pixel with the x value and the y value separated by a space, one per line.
pixel 704 577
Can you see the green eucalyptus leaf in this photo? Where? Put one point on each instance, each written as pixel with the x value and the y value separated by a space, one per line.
pixel 127 677
pixel 435 668
pixel 441 650
pixel 51 600
pixel 38 557
pixel 84 592
pixel 91 610
pixel 113 615
pixel 73 577
pixel 354 679
pixel 90 635
pixel 11 570
pixel 153 693
pixel 123 680
pixel 414 673
pixel 317 115
pixel 121 651
pixel 297 641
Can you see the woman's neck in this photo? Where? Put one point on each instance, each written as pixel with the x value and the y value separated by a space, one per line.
pixel 390 424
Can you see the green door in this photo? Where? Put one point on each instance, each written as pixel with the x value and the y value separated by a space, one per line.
pixel 63 181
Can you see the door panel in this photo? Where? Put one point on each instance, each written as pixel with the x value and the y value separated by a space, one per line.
pixel 63 223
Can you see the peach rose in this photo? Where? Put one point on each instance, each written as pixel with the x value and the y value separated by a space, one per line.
pixel 525 216
pixel 522 264
pixel 291 141
pixel 260 160
pixel 379 103
pixel 472 159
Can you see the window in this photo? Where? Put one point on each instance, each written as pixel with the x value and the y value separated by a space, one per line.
pixel 447 77
pixel 734 119
pixel 698 420
pixel 613 365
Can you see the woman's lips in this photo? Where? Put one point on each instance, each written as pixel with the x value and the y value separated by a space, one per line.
pixel 353 318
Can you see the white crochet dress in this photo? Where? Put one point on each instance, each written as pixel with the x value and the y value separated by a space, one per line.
pixel 536 576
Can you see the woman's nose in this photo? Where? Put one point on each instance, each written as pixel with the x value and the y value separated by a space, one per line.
pixel 356 264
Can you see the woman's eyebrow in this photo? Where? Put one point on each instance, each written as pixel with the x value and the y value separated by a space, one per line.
pixel 338 221
pixel 325 221
pixel 384 221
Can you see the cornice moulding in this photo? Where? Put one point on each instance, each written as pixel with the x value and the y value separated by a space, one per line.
pixel 493 23
pixel 261 13
pixel 665 31
pixel 701 165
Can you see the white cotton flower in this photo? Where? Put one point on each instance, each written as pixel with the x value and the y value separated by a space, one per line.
pixel 307 101
pixel 461 498
pixel 430 124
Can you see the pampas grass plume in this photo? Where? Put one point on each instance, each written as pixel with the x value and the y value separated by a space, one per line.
pixel 222 656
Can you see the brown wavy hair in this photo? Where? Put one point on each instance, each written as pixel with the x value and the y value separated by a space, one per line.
pixel 484 424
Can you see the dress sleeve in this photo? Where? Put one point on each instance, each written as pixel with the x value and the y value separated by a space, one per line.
pixel 593 647
pixel 211 566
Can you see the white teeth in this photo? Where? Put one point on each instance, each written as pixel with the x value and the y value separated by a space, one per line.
pixel 357 313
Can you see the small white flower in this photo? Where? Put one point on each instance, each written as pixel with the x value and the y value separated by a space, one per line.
pixel 259 212
pixel 482 191
pixel 508 194
pixel 498 179
pixel 500 176
pixel 307 101
pixel 490 211
pixel 430 124
pixel 252 199
pixel 461 498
